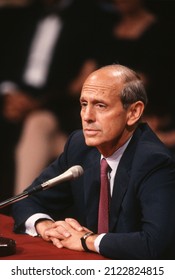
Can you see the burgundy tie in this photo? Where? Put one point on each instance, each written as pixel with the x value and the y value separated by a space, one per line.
pixel 103 214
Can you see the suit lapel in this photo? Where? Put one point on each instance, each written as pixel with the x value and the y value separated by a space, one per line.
pixel 91 190
pixel 120 188
pixel 122 179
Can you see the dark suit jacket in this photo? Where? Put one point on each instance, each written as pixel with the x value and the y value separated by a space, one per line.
pixel 142 214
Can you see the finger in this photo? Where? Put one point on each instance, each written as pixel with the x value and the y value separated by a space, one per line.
pixel 86 229
pixel 63 227
pixel 74 224
pixel 56 242
pixel 57 232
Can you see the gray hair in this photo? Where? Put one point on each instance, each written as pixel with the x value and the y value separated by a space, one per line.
pixel 133 89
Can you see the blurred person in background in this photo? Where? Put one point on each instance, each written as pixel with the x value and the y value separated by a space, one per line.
pixel 45 59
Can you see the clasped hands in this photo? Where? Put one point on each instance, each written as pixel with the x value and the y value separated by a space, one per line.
pixel 65 233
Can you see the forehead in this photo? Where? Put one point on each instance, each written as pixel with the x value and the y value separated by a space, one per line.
pixel 95 88
pixel 100 89
pixel 102 82
pixel 98 92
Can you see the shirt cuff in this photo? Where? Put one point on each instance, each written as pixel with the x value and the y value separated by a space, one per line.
pixel 97 242
pixel 30 223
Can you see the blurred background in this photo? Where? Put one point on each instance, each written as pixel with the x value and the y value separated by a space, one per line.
pixel 49 47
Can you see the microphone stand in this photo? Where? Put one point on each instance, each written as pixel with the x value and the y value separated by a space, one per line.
pixel 71 173
pixel 8 245
pixel 20 196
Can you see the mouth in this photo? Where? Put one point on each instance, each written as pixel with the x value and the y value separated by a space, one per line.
pixel 90 132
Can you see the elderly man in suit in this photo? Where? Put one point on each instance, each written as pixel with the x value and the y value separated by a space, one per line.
pixel 141 219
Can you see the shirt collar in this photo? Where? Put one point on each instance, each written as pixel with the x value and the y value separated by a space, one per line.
pixel 116 156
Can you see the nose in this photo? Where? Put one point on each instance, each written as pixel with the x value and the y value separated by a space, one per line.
pixel 87 114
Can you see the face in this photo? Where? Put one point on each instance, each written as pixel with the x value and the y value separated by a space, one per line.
pixel 104 119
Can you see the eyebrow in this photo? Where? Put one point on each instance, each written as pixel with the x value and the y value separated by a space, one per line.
pixel 94 100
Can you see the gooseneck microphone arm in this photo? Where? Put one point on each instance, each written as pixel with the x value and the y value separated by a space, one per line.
pixel 72 173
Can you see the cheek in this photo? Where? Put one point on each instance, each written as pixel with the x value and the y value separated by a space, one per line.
pixel 115 126
pixel 110 130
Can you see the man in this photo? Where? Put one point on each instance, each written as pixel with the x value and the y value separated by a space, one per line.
pixel 142 178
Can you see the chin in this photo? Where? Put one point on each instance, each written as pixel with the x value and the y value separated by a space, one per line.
pixel 91 142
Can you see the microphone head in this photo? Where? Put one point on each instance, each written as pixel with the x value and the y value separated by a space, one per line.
pixel 76 171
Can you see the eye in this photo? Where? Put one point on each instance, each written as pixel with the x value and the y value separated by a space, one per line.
pixel 83 103
pixel 101 105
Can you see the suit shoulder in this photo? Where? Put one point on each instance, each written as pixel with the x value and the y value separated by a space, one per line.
pixel 151 144
pixel 151 152
pixel 77 138
pixel 76 143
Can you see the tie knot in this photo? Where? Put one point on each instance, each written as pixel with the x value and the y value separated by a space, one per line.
pixel 104 166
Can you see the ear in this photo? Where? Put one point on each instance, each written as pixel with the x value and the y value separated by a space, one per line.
pixel 135 112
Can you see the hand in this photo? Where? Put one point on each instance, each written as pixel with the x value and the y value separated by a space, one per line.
pixel 43 225
pixel 55 231
pixel 68 233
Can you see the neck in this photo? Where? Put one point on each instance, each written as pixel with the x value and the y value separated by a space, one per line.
pixel 109 149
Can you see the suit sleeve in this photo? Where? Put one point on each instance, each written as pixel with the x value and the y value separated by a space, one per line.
pixel 56 202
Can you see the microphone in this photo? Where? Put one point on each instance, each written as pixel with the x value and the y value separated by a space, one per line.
pixel 71 174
